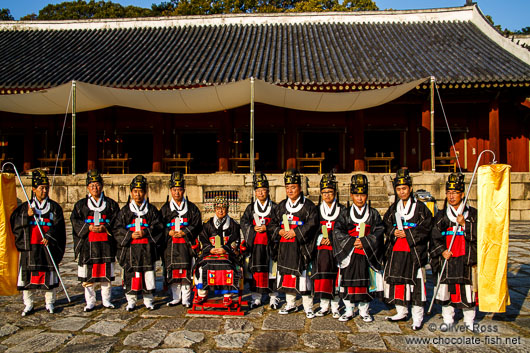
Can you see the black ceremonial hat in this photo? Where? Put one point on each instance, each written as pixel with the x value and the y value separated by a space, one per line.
pixel 328 181
pixel 39 177
pixel 359 184
pixel 93 176
pixel 402 178
pixel 455 181
pixel 260 181
pixel 139 182
pixel 292 176
pixel 177 180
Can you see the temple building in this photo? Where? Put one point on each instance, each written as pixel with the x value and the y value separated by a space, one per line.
pixel 482 79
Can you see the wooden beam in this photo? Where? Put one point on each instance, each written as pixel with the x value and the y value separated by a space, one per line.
pixel 358 140
pixel 494 140
pixel 425 137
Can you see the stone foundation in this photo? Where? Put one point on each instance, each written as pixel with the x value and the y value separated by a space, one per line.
pixel 69 189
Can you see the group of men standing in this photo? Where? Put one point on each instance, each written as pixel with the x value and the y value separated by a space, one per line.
pixel 329 253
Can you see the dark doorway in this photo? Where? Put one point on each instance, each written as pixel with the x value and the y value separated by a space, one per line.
pixel 266 144
pixel 203 149
pixel 314 143
pixel 384 143
pixel 139 148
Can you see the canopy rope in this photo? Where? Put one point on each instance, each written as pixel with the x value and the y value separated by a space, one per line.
pixel 447 124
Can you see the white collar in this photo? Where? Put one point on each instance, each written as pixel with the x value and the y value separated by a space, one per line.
pixel 40 207
pixel 451 212
pixel 182 210
pixel 297 206
pixel 138 211
pixel 225 225
pixel 329 213
pixel 362 211
pixel 406 212
pixel 257 208
pixel 94 205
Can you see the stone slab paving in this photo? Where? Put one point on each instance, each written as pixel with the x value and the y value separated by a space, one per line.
pixel 366 341
pixel 183 339
pixel 231 340
pixel 89 344
pixel 171 329
pixel 106 328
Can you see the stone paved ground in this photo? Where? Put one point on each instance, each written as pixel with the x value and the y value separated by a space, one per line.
pixel 172 330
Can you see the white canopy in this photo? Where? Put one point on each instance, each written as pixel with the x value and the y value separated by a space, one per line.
pixel 197 100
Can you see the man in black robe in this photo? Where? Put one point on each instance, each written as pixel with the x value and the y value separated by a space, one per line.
pixel 297 245
pixel 93 219
pixel 219 267
pixel 358 244
pixel 183 223
pixel 408 224
pixel 325 266
pixel 36 270
pixel 139 234
pixel 457 288
pixel 260 251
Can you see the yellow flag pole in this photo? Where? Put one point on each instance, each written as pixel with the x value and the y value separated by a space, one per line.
pixel 457 228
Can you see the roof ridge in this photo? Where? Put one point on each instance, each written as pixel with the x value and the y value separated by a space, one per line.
pixel 464 13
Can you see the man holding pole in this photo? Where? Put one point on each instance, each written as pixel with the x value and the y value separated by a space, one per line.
pixel 36 268
pixel 294 226
pixel 408 224
pixel 139 233
pixel 93 219
pixel 457 283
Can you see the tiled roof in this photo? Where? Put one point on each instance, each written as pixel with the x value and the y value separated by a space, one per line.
pixel 325 50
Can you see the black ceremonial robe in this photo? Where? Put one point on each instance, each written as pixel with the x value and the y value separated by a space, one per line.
pixel 325 268
pixel 458 271
pixel 36 267
pixel 180 252
pixel 221 272
pixel 96 251
pixel 295 255
pixel 260 249
pixel 137 256
pixel 356 263
pixel 405 256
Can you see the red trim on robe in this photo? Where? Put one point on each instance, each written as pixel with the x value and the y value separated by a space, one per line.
pixel 137 282
pixel 357 290
pixel 399 291
pixel 38 278
pixel 180 240
pixel 261 279
pixel 180 273
pixel 323 285
pixel 261 239
pixel 289 281
pixel 140 241
pixel 401 245
pixel 99 270
pixel 93 237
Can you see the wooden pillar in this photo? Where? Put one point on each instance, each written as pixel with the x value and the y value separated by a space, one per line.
pixel 158 143
pixel 425 137
pixel 29 136
pixel 290 140
pixel 92 141
pixel 494 141
pixel 358 140
pixel 223 141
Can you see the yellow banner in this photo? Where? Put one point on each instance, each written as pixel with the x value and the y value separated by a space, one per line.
pixel 493 196
pixel 8 251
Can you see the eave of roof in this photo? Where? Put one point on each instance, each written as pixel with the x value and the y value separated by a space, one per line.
pixel 395 71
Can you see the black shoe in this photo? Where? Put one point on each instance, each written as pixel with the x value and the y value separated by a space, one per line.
pixel 86 309
pixel 187 306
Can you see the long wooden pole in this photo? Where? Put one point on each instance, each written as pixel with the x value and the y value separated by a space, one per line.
pixel 73 125
pixel 252 161
pixel 433 160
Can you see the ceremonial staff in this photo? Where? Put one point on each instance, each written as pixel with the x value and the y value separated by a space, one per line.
pixel 40 229
pixel 460 211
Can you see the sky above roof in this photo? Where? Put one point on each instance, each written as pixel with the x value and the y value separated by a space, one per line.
pixel 511 14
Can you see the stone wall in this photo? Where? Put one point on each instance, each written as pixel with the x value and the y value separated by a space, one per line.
pixel 68 189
